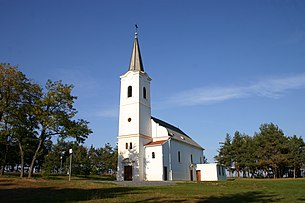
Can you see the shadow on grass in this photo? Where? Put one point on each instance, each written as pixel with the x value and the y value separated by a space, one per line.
pixel 98 177
pixel 5 183
pixel 63 195
pixel 161 200
pixel 243 197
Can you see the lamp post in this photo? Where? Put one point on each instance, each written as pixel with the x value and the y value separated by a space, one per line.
pixel 70 170
pixel 60 164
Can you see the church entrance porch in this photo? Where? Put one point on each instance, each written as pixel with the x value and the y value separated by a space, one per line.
pixel 127 173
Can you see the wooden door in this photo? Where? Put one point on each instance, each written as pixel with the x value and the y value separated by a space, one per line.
pixel 128 173
pixel 191 175
pixel 198 175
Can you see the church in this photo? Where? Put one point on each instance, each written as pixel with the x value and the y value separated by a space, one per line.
pixel 150 149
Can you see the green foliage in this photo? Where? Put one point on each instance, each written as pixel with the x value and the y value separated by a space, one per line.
pixel 225 155
pixel 84 161
pixel 296 154
pixel 267 153
pixel 30 115
pixel 16 98
pixel 272 148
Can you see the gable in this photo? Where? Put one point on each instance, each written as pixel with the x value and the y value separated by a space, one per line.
pixel 176 134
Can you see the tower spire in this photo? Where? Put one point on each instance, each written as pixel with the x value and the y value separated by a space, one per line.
pixel 136 59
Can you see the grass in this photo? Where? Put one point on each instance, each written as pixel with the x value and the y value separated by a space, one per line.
pixel 13 189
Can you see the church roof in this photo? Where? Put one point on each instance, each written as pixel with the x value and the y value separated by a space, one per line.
pixel 136 63
pixel 160 142
pixel 176 134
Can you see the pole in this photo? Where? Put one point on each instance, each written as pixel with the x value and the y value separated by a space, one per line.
pixel 61 165
pixel 70 171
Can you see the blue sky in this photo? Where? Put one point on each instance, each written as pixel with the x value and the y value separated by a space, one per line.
pixel 217 66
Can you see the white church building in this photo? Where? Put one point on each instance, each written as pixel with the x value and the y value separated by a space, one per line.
pixel 150 149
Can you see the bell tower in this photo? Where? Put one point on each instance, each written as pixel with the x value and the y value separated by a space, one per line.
pixel 134 118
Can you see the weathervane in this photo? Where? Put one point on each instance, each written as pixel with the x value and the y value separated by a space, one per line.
pixel 136 25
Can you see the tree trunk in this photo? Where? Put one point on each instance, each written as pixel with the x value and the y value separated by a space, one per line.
pixel 34 158
pixel 2 169
pixel 294 170
pixel 238 171
pixel 21 160
pixel 5 154
pixel 4 159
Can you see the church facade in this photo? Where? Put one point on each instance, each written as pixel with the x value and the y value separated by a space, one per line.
pixel 150 149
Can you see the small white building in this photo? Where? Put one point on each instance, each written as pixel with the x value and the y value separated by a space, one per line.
pixel 149 148
pixel 210 172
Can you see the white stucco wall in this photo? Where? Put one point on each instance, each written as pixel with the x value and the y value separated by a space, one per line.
pixel 134 124
pixel 154 166
pixel 158 132
pixel 181 170
pixel 136 107
pixel 135 155
pixel 211 172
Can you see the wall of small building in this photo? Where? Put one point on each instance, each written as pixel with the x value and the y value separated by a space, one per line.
pixel 154 165
pixel 211 172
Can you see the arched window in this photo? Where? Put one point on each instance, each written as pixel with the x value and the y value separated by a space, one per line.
pixel 130 145
pixel 129 94
pixel 144 92
pixel 153 155
pixel 126 145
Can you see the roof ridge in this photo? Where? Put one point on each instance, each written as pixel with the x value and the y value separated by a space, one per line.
pixel 170 126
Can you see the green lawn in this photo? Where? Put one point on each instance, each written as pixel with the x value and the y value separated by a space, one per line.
pixel 87 190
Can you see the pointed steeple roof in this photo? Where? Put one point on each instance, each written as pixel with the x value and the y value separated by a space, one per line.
pixel 136 59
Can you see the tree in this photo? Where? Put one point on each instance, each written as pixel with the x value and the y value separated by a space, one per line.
pixel 56 157
pixel 109 158
pixel 237 152
pixel 272 149
pixel 81 161
pixel 30 115
pixel 225 154
pixel 296 153
pixel 23 121
pixel 95 161
pixel 54 114
pixel 13 91
pixel 243 153
pixel 249 157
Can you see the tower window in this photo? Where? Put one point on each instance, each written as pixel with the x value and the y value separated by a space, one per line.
pixel 144 92
pixel 153 155
pixel 191 158
pixel 179 158
pixel 129 94
pixel 126 145
pixel 130 145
